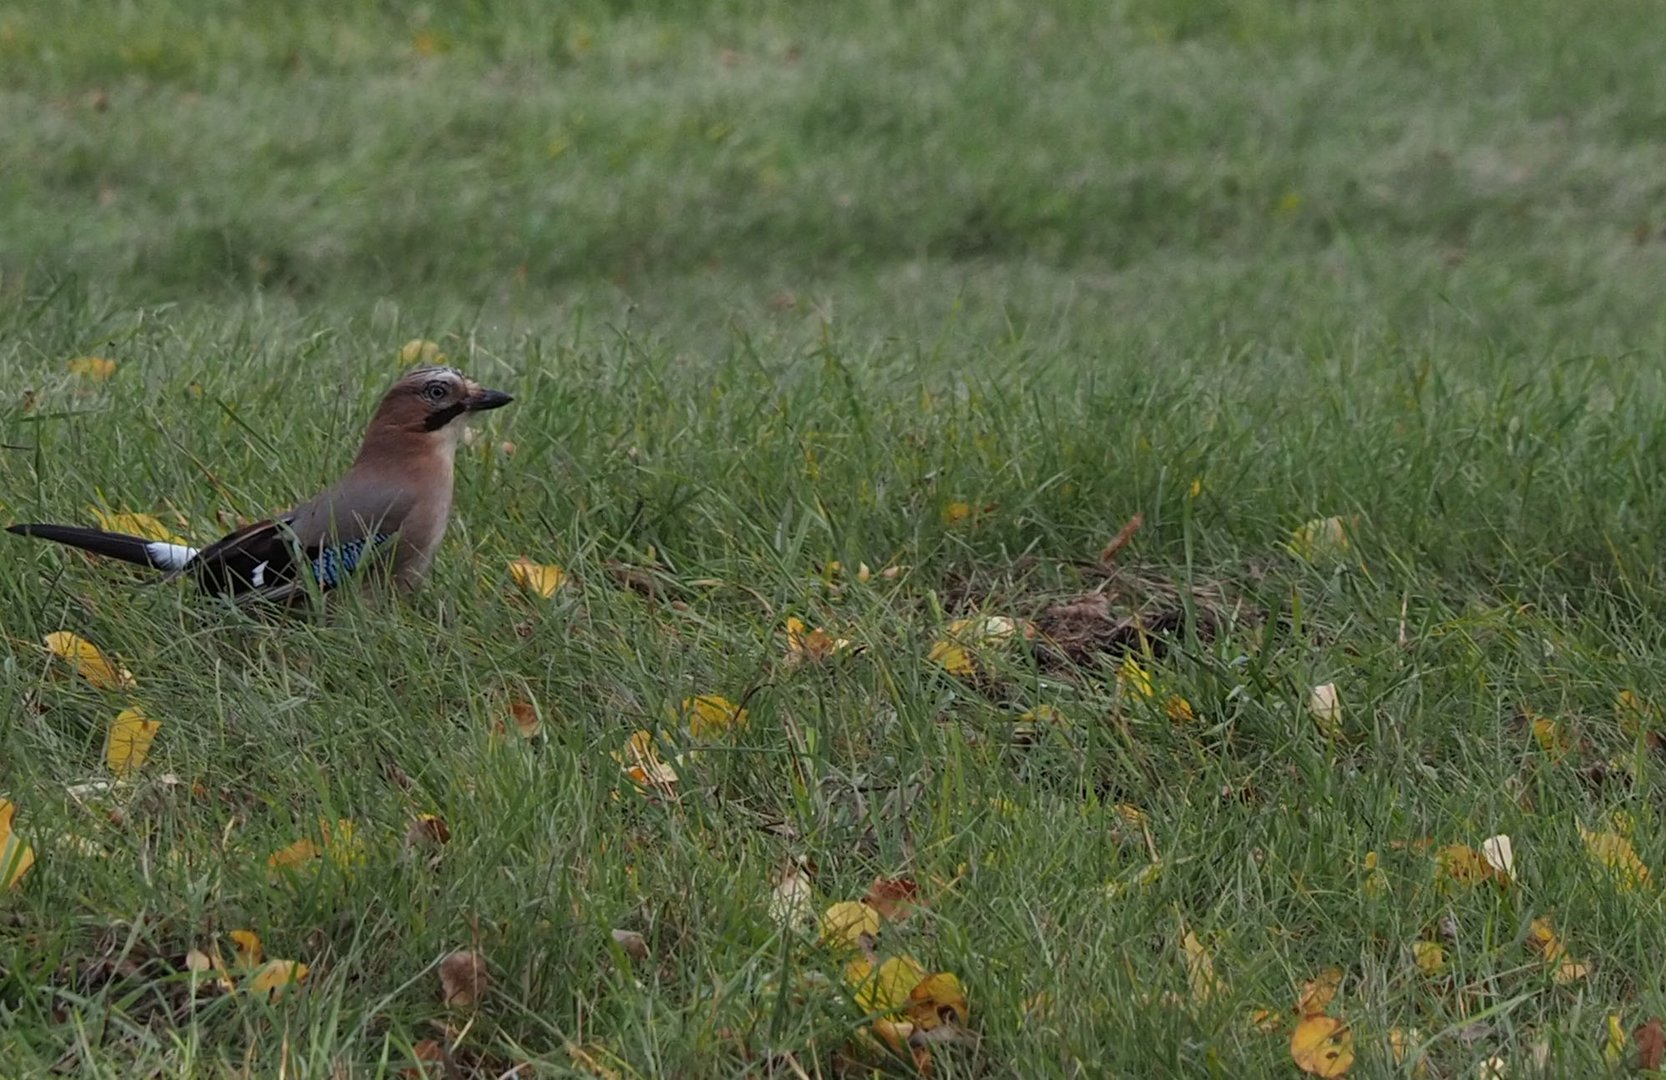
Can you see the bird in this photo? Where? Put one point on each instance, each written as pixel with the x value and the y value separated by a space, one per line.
pixel 390 508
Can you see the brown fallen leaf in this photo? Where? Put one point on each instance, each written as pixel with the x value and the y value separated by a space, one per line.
pixel 635 946
pixel 893 898
pixel 463 979
pixel 1650 1037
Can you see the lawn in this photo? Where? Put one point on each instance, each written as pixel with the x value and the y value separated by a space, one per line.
pixel 884 318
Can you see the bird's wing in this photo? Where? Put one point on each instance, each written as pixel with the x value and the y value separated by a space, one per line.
pixel 267 560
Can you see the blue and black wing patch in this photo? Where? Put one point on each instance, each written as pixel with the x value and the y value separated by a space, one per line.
pixel 333 565
pixel 261 561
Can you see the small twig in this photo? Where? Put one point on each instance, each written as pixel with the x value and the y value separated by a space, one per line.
pixel 1121 539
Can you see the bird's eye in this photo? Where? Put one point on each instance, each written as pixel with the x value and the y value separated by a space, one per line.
pixel 434 391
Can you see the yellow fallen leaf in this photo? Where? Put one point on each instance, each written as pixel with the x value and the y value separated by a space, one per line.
pixel 419 351
pixel 1195 488
pixel 1320 539
pixel 956 512
pixel 711 714
pixel 248 948
pixel 97 368
pixel 1179 709
pixel 1614 1047
pixel 1552 737
pixel 952 658
pixel 1323 1046
pixel 1401 1042
pixel 1634 712
pixel 1264 1020
pixel 541 578
pixel 844 924
pixel 1324 704
pixel 641 762
pixel 936 1000
pixel 1134 679
pixel 884 989
pixel 1616 853
pixel 88 661
pixel 811 645
pixel 294 856
pixel 144 526
pixel 1463 865
pixel 1376 880
pixel 341 844
pixel 276 976
pixel 131 734
pixel 16 857
pixel 1564 969
pixel 1200 970
pixel 1430 957
pixel 1318 992
pixel 897 1036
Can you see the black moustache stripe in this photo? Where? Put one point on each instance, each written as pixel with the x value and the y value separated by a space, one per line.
pixel 437 420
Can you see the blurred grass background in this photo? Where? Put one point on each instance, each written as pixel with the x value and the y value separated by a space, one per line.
pixel 777 285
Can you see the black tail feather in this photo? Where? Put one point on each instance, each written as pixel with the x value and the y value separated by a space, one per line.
pixel 133 549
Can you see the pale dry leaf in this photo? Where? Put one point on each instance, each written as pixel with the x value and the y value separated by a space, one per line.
pixel 463 979
pixel 634 944
pixel 1324 704
pixel 1500 855
pixel 791 902
pixel 1200 970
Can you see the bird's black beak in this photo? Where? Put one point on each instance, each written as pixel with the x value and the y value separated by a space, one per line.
pixel 484 399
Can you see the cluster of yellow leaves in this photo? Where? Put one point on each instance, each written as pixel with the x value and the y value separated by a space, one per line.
pixel 1320 540
pixel 95 368
pixel 957 513
pixel 420 351
pixel 340 844
pixel 910 1007
pixel 812 646
pixel 966 641
pixel 1135 681
pixel 1614 852
pixel 704 716
pixel 1320 1043
pixel 132 732
pixel 144 526
pixel 258 976
pixel 541 579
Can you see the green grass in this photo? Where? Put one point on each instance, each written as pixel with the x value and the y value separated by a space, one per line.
pixel 775 287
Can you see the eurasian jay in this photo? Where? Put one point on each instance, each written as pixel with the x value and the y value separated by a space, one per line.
pixel 391 505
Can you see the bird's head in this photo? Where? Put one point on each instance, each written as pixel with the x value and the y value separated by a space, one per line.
pixel 432 399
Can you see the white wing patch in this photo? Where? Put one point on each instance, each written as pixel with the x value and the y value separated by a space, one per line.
pixel 170 556
pixel 257 576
